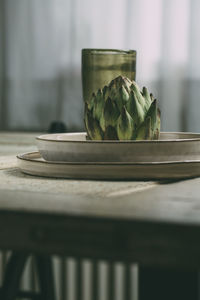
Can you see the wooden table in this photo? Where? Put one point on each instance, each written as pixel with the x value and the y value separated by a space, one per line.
pixel 156 224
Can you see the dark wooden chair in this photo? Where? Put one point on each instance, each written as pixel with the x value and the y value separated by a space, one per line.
pixel 10 289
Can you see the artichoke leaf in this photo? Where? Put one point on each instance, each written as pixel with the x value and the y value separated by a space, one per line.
pixel 153 113
pixel 135 109
pixel 144 131
pixel 111 113
pixel 98 105
pixel 135 88
pixel 125 125
pixel 91 102
pixel 123 94
pixel 151 96
pixel 92 126
pixel 110 133
pixel 97 133
pixel 147 97
pixel 157 132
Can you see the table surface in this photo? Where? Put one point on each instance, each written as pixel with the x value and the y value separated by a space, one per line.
pixel 150 222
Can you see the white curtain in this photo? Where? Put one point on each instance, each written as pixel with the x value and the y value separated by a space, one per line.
pixel 43 56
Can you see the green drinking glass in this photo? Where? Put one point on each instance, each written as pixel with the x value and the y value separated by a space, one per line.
pixel 100 66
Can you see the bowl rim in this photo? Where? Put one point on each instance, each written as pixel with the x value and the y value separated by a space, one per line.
pixel 193 139
pixel 91 51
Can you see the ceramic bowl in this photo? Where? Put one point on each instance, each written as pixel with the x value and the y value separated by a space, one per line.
pixel 73 147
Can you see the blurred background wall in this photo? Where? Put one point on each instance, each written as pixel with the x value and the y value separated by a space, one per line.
pixel 40 57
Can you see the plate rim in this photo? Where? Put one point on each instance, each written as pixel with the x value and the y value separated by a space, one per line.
pixel 23 158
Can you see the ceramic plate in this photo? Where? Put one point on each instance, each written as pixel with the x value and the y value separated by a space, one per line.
pixel 73 147
pixel 33 164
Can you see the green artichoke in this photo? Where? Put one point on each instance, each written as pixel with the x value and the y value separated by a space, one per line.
pixel 120 111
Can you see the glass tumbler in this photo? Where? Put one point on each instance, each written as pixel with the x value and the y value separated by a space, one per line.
pixel 100 66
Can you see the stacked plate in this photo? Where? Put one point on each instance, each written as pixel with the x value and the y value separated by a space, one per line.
pixel 71 155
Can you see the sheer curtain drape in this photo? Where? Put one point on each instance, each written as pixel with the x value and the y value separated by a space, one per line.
pixel 43 47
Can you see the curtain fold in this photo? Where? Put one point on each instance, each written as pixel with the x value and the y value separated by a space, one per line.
pixel 43 56
pixel 3 103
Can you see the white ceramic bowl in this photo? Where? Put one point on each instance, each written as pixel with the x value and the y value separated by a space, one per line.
pixel 73 147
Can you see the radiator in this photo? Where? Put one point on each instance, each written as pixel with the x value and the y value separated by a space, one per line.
pixel 83 279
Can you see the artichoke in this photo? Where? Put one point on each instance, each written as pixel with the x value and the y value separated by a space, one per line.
pixel 120 111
